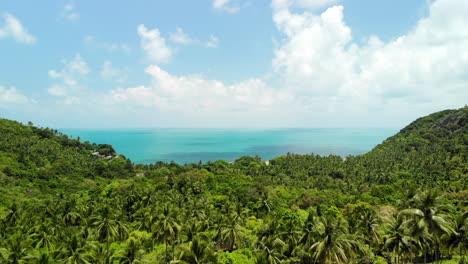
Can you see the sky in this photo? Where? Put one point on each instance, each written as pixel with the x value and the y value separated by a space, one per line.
pixel 231 63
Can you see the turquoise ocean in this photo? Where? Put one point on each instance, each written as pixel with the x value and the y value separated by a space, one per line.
pixel 191 145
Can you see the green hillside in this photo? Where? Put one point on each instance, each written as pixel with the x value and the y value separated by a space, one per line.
pixel 36 162
pixel 66 201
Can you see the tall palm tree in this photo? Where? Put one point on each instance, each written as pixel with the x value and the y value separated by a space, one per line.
pixel 397 242
pixel 231 234
pixel 429 215
pixel 368 224
pixel 459 238
pixel 334 243
pixel 107 228
pixel 166 228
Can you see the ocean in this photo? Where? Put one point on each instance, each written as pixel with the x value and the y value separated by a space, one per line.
pixel 191 145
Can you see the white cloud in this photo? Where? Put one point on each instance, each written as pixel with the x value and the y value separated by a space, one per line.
pixel 213 42
pixel 226 5
pixel 108 72
pixel 318 59
pixel 196 93
pixel 181 37
pixel 154 45
pixel 67 80
pixel 70 13
pixel 321 76
pixel 12 96
pixel 78 65
pixel 13 28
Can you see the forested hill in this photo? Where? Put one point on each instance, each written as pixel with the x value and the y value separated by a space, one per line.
pixel 66 201
pixel 430 150
pixel 39 161
pixel 36 161
pixel 448 129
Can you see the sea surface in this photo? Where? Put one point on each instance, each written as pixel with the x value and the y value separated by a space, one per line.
pixel 191 145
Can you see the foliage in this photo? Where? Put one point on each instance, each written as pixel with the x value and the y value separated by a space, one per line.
pixel 67 201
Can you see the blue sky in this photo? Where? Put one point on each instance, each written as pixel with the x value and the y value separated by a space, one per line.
pixel 231 63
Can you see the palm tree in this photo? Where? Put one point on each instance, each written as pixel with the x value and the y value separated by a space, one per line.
pixel 459 238
pixel 41 257
pixel 76 252
pixel 430 216
pixel 290 232
pixel 270 250
pixel 197 251
pixel 309 230
pixel 334 243
pixel 166 228
pixel 231 234
pixel 397 241
pixel 368 223
pixel 102 253
pixel 107 228
pixel 132 252
pixel 15 249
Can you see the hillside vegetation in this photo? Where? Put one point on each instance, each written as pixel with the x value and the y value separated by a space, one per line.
pixel 66 201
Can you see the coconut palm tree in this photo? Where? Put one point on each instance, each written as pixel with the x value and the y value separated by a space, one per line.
pixel 334 244
pixel 197 251
pixel 166 229
pixel 231 234
pixel 429 215
pixel 397 242
pixel 15 249
pixel 368 224
pixel 76 252
pixel 270 250
pixel 459 238
pixel 101 253
pixel 132 252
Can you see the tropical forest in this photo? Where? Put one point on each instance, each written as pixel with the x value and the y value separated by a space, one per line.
pixel 405 201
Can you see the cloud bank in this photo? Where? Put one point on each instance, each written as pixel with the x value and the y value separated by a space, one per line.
pixel 320 69
pixel 321 75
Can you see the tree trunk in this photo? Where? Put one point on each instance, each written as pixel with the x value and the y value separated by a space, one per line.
pixel 425 255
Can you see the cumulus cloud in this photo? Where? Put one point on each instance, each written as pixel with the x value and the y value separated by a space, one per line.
pixel 12 28
pixel 12 96
pixel 226 5
pixel 181 37
pixel 321 75
pixel 319 59
pixel 320 72
pixel 154 44
pixel 67 81
pixel 197 93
